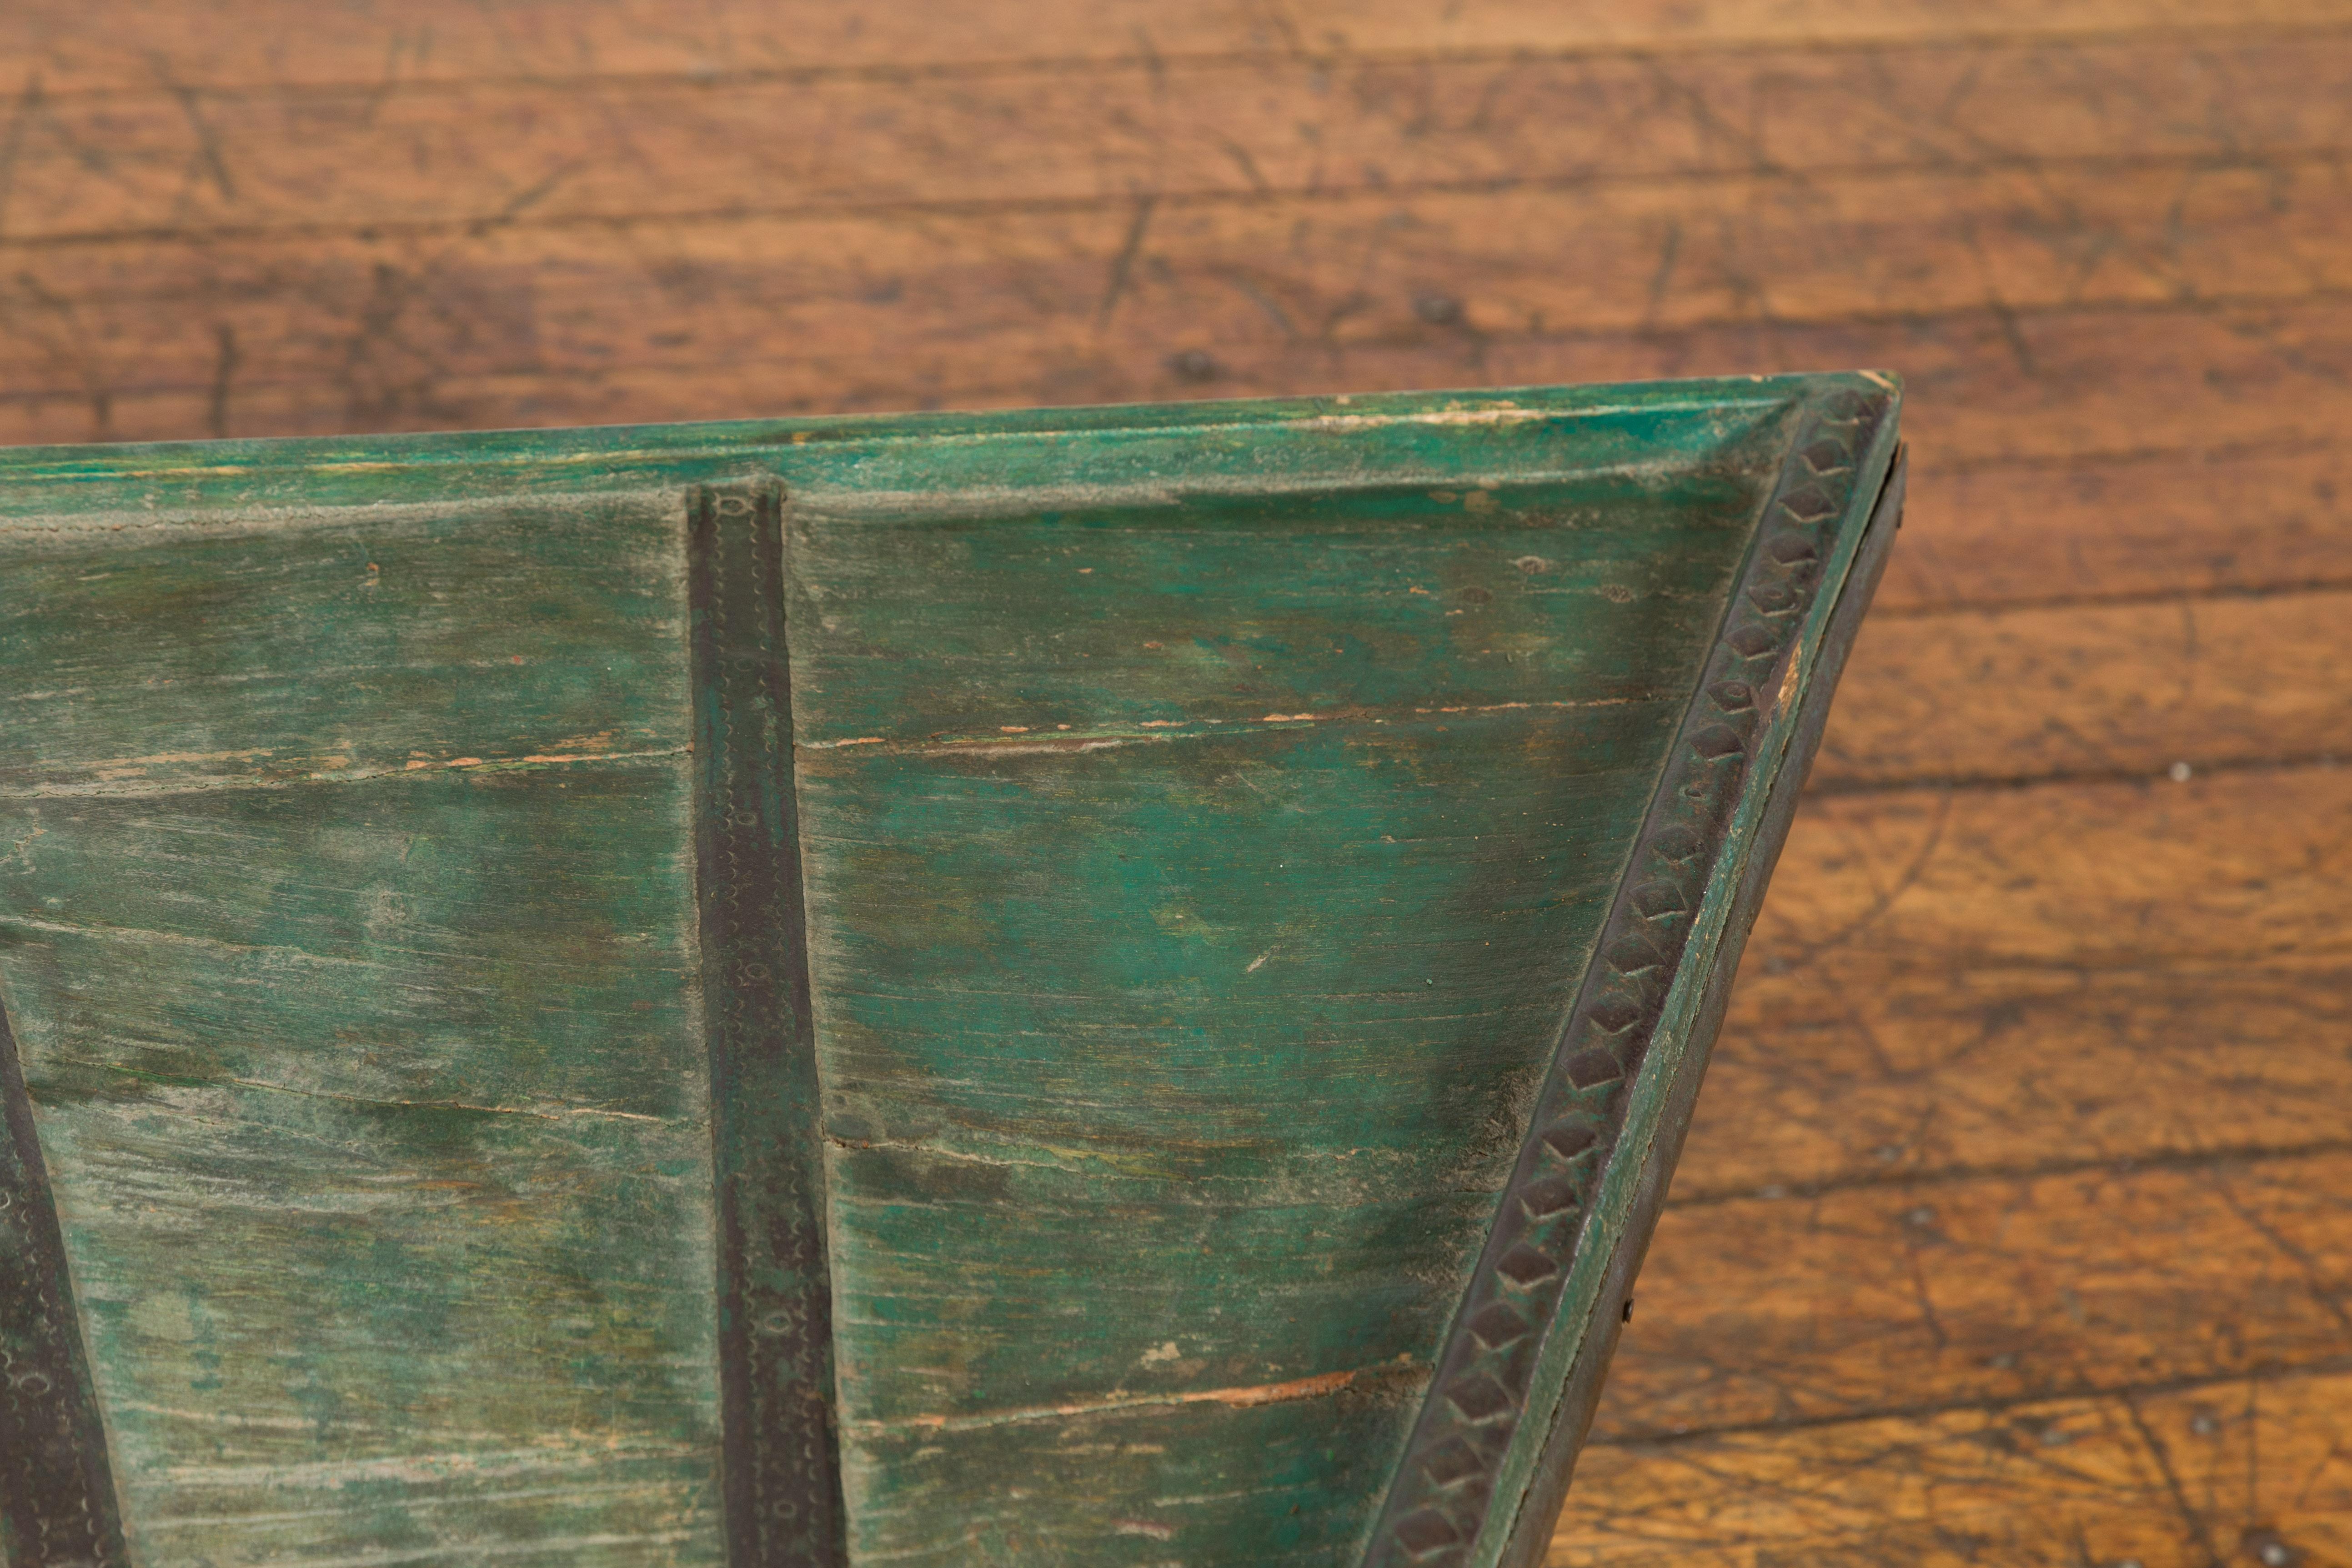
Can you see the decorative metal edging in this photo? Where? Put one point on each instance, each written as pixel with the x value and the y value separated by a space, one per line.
pixel 781 1468
pixel 57 1507
pixel 1442 1498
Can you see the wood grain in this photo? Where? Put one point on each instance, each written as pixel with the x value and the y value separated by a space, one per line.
pixel 1088 794
pixel 1980 696
pixel 2003 874
pixel 2168 1478
pixel 217 43
pixel 1992 978
pixel 1105 302
pixel 355 1004
pixel 2095 524
pixel 388 154
pixel 1984 1290
pixel 1895 1070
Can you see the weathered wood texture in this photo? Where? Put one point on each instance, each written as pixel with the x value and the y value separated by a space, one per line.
pixel 2008 967
pixel 1176 1043
pixel 224 43
pixel 2049 276
pixel 181 157
pixel 2248 1471
pixel 368 984
pixel 1205 879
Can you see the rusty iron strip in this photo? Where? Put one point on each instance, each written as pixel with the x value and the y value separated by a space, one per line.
pixel 1466 1493
pixel 781 1479
pixel 57 1507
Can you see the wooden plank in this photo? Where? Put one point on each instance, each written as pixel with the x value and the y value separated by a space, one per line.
pixel 1989 531
pixel 1104 867
pixel 1974 978
pixel 2234 865
pixel 1984 1291
pixel 1987 695
pixel 348 939
pixel 215 43
pixel 2183 1479
pixel 380 156
pixel 585 325
pixel 1255 282
pixel 1883 1072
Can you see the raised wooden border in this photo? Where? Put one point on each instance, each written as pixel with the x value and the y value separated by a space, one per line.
pixel 1486 1468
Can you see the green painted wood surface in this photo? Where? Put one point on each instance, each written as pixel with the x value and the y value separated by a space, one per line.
pixel 362 1043
pixel 1198 887
pixel 1207 816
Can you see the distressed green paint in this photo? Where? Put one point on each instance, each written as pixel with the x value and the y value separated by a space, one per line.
pixel 1207 814
pixel 1197 885
pixel 363 1048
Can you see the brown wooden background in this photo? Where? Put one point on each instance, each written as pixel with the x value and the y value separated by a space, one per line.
pixel 2017 1227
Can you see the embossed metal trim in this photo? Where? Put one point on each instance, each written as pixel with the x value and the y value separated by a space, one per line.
pixel 780 1478
pixel 56 1488
pixel 1443 1496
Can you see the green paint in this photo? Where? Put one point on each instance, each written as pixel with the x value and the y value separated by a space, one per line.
pixel 1207 816
pixel 371 1094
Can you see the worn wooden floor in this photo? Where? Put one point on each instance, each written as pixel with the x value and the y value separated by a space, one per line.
pixel 2017 1227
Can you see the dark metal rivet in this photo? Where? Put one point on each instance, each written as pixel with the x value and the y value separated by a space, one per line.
pixel 1808 503
pixel 1478 1396
pixel 1676 843
pixel 1569 1139
pixel 1656 899
pixel 1453 1460
pixel 1614 1014
pixel 1523 1266
pixel 1425 1531
pixel 1548 1196
pixel 1715 741
pixel 1628 954
pixel 1826 457
pixel 1496 1325
pixel 1588 1067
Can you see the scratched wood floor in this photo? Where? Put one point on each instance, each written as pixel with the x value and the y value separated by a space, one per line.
pixel 2016 1224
